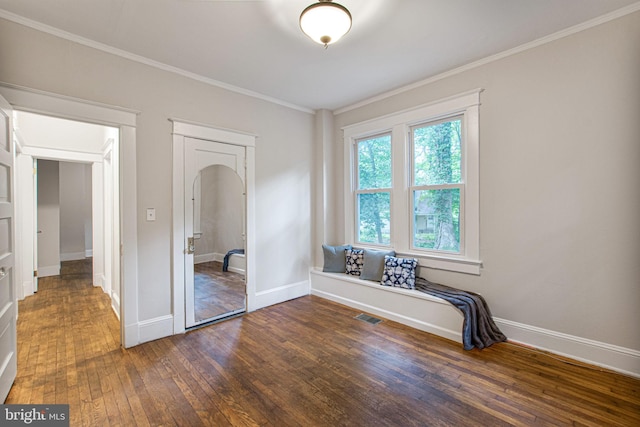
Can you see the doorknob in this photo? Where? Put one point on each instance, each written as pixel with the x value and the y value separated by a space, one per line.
pixel 191 246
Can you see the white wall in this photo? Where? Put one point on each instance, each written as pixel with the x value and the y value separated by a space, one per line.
pixel 48 218
pixel 75 210
pixel 559 175
pixel 33 59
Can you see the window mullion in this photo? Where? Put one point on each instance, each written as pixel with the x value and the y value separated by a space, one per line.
pixel 400 202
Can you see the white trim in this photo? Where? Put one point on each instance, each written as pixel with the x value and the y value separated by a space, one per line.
pixel 281 294
pixel 115 304
pixel 152 329
pixel 72 256
pixel 49 270
pixel 609 356
pixel 234 265
pixel 99 280
pixel 88 253
pixel 27 288
pixel 202 258
pixel 399 123
pixel 128 234
pixel 55 105
pixel 431 110
pixel 492 58
pixel 210 133
pixel 143 60
pixel 182 130
pixel 61 155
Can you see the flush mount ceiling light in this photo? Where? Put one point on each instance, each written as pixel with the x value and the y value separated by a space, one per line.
pixel 325 22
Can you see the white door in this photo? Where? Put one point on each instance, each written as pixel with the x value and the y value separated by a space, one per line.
pixel 8 303
pixel 198 156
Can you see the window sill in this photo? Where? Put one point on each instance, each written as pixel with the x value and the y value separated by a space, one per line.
pixel 459 265
pixel 440 262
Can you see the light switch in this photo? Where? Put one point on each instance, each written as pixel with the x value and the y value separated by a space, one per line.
pixel 151 214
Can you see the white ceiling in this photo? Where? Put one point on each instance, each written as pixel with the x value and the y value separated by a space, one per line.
pixel 257 46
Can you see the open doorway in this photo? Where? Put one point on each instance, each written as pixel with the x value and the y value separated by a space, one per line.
pixel 71 204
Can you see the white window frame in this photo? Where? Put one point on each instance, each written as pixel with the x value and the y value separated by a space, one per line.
pixel 399 124
pixel 447 186
pixel 358 191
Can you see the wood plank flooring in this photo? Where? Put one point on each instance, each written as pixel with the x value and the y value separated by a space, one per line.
pixel 306 362
pixel 216 292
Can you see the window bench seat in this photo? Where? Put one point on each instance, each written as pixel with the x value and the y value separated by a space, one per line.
pixel 409 307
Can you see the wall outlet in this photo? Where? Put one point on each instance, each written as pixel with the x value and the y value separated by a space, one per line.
pixel 151 214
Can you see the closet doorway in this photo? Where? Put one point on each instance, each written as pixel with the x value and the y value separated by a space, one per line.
pixel 202 154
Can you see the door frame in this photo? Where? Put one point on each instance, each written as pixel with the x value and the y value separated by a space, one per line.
pixel 181 130
pixel 36 101
pixel 8 259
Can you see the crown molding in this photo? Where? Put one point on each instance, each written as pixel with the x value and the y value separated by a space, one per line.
pixel 504 54
pixel 144 60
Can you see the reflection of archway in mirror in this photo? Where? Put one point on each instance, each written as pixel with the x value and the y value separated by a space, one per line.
pixel 219 237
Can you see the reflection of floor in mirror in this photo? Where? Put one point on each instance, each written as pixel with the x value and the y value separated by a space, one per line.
pixel 216 292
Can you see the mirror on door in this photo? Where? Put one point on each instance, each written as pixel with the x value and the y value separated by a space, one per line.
pixel 219 243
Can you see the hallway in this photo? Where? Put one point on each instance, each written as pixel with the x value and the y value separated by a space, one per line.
pixel 67 333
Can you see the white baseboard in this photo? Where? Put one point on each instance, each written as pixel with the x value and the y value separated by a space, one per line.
pixel 72 256
pixel 49 270
pixel 27 289
pixel 99 280
pixel 411 308
pixel 400 306
pixel 199 259
pixel 396 317
pixel 115 304
pixel 236 261
pixel 277 295
pixel 148 330
pixel 88 253
pixel 609 356
pixel 131 335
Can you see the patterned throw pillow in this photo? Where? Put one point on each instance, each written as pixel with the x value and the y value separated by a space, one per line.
pixel 399 272
pixel 355 260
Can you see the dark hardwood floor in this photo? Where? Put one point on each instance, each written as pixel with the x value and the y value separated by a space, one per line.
pixel 306 362
pixel 217 292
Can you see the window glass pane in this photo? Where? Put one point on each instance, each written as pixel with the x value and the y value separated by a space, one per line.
pixel 437 153
pixel 436 220
pixel 374 214
pixel 374 162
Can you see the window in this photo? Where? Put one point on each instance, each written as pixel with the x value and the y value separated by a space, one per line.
pixel 373 190
pixel 411 183
pixel 437 185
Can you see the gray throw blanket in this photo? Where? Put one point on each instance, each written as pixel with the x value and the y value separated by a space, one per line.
pixel 225 261
pixel 478 328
